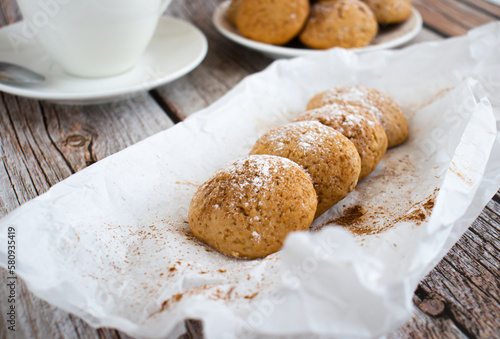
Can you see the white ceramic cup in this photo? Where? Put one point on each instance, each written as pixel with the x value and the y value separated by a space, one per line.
pixel 93 38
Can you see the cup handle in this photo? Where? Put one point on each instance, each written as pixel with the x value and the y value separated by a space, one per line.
pixel 164 6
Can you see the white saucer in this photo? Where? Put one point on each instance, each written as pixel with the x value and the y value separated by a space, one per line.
pixel 387 37
pixel 177 48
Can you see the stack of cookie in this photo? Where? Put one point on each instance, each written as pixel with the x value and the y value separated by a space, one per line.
pixel 296 172
pixel 319 24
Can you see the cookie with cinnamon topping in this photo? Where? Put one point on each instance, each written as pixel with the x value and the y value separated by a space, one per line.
pixel 246 209
pixel 359 125
pixel 329 158
pixel 386 109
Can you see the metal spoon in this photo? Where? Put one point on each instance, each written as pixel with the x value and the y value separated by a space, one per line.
pixel 17 75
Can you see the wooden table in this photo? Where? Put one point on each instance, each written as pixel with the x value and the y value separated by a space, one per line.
pixel 43 143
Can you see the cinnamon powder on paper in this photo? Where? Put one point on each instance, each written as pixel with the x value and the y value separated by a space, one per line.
pixel 359 219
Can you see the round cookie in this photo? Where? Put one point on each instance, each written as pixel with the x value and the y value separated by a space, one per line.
pixel 329 158
pixel 246 209
pixel 273 22
pixel 339 23
pixel 359 125
pixel 388 111
pixel 390 11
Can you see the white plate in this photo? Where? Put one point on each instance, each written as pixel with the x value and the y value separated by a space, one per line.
pixel 387 37
pixel 176 48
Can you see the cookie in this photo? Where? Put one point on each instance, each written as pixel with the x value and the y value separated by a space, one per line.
pixel 246 209
pixel 339 23
pixel 359 125
pixel 390 11
pixel 329 158
pixel 387 110
pixel 273 22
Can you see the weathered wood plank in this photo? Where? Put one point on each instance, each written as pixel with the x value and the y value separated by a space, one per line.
pixel 437 21
pixel 23 160
pixel 486 7
pixel 44 143
pixel 428 321
pixel 469 16
pixel 450 17
pixel 472 311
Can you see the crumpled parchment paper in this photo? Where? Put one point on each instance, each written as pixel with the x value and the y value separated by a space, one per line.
pixel 112 244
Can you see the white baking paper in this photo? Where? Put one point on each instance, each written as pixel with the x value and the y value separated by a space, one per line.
pixel 111 243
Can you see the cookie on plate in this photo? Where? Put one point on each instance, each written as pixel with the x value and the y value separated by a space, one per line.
pixel 387 110
pixel 390 11
pixel 246 209
pixel 329 158
pixel 339 23
pixel 359 125
pixel 271 21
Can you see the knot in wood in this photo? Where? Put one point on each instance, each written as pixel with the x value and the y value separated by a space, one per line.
pixel 432 307
pixel 76 140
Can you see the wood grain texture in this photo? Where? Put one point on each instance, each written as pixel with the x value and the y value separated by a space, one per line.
pixel 482 5
pixel 424 325
pixel 462 12
pixel 451 17
pixel 43 143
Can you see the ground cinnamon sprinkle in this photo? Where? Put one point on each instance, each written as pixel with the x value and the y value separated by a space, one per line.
pixel 417 216
pixel 364 220
pixel 429 205
pixel 421 214
pixel 187 183
pixel 251 296
pixel 350 216
pixel 166 304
